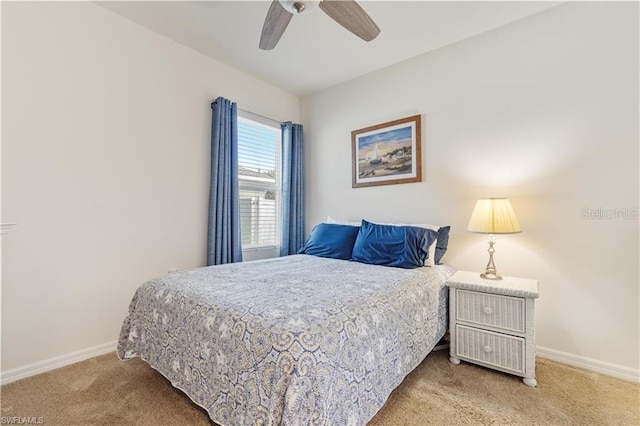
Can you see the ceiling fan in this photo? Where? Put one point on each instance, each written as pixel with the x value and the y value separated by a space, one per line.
pixel 347 13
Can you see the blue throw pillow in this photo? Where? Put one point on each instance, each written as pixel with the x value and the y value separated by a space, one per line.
pixel 331 240
pixel 389 245
pixel 442 243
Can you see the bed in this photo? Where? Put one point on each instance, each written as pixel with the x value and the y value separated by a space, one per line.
pixel 294 340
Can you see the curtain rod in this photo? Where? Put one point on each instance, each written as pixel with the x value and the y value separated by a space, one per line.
pixel 256 115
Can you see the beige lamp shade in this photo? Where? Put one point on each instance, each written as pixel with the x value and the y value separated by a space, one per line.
pixel 493 216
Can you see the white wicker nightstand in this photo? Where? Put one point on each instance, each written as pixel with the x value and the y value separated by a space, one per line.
pixel 492 323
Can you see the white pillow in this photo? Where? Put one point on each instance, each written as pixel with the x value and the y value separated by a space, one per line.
pixel 432 248
pixel 342 222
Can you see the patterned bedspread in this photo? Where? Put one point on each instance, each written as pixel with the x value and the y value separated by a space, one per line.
pixel 293 340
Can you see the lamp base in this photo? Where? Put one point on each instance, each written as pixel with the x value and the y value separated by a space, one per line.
pixel 490 276
pixel 490 273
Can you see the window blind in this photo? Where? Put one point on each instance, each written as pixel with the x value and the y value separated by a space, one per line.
pixel 259 182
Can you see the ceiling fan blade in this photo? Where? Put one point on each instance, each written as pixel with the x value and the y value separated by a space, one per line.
pixel 350 15
pixel 274 25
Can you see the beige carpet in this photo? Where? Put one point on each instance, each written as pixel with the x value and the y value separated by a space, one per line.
pixel 106 391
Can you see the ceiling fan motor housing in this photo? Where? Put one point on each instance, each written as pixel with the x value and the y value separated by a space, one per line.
pixel 298 7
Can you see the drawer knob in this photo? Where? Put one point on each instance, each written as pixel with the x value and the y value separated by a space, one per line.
pixel 487 349
pixel 488 310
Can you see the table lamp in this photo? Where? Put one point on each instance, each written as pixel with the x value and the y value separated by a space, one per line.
pixel 493 216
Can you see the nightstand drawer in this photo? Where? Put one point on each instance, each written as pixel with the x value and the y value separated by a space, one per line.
pixel 505 312
pixel 493 349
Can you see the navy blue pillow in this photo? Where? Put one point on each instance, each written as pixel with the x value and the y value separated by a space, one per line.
pixel 331 240
pixel 442 243
pixel 389 245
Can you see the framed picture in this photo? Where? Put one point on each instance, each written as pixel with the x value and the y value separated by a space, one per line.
pixel 388 153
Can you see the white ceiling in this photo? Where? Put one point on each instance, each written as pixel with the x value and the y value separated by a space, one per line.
pixel 315 52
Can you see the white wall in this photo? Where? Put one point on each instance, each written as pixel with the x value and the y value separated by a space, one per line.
pixel 105 167
pixel 544 111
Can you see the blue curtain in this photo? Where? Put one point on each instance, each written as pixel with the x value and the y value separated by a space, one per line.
pixel 292 189
pixel 223 237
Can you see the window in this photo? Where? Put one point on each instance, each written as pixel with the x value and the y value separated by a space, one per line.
pixel 259 180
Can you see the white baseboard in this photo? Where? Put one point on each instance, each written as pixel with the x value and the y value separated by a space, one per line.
pixel 606 368
pixel 57 362
pixel 591 364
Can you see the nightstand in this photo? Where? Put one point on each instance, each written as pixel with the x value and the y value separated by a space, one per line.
pixel 491 323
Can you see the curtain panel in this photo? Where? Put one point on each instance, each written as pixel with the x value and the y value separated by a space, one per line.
pixel 292 189
pixel 223 237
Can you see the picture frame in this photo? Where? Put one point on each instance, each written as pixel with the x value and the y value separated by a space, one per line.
pixel 388 153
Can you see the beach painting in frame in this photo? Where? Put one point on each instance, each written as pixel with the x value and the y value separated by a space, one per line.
pixel 387 154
